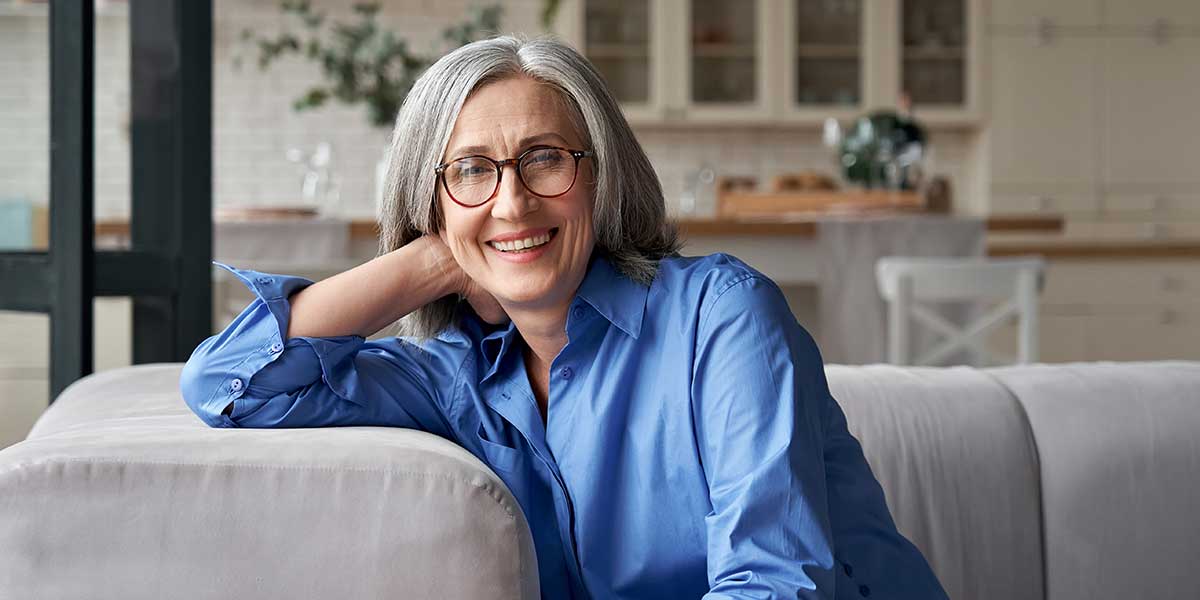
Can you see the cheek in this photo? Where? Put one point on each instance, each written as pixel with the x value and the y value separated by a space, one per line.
pixel 461 230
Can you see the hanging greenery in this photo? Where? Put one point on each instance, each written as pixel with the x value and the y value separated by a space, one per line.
pixel 361 62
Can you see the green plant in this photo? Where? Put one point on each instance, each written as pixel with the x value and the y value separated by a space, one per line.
pixel 361 62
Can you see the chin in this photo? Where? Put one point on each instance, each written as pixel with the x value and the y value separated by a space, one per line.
pixel 518 291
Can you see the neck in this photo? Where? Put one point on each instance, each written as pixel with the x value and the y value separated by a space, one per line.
pixel 544 330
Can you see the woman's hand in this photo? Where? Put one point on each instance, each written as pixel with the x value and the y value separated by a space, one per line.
pixel 481 300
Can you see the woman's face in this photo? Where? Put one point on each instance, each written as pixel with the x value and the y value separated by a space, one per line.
pixel 501 120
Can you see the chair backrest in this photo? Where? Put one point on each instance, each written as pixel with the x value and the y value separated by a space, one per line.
pixel 906 281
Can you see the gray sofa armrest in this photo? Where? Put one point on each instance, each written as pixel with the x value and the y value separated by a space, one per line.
pixel 121 492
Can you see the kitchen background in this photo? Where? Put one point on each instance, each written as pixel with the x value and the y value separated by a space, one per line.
pixel 1078 113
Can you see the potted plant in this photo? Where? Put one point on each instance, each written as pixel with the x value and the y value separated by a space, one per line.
pixel 360 62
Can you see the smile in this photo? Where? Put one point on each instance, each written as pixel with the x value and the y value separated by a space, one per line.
pixel 524 245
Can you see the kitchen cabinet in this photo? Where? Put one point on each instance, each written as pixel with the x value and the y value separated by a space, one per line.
pixel 1117 310
pixel 724 59
pixel 1151 93
pixel 1032 14
pixel 1113 16
pixel 693 62
pixel 827 59
pixel 1094 119
pixel 1152 14
pixel 617 39
pixel 1151 206
pixel 1043 111
pixel 939 66
pixel 1044 199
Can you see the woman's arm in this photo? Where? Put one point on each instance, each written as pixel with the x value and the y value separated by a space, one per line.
pixel 297 355
pixel 758 402
pixel 373 295
pixel 796 510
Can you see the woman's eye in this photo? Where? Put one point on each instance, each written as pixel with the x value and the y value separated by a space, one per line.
pixel 471 171
pixel 544 157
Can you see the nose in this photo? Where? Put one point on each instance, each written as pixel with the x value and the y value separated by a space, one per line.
pixel 513 200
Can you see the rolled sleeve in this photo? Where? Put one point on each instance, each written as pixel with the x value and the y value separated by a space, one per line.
pixel 758 399
pixel 305 381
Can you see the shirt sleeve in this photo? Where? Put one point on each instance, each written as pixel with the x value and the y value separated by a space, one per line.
pixel 308 381
pixel 759 399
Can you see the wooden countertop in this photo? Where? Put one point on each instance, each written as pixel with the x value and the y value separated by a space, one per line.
pixel 804 226
pixel 1098 249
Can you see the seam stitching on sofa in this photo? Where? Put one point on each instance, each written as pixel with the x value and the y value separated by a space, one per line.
pixel 1037 457
pixel 490 490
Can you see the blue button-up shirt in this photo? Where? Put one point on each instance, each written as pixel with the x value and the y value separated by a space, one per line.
pixel 691 447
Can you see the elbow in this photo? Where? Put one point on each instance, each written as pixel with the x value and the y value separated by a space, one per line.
pixel 198 386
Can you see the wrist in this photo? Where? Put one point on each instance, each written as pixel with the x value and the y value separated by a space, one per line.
pixel 441 266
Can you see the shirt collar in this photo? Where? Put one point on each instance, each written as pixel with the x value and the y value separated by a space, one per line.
pixel 618 298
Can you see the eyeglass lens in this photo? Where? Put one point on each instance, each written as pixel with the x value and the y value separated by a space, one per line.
pixel 545 171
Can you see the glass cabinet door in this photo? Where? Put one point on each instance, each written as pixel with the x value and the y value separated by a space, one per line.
pixel 934 48
pixel 617 41
pixel 828 51
pixel 724 52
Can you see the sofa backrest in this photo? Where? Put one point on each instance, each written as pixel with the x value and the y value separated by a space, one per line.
pixel 956 459
pixel 1119 447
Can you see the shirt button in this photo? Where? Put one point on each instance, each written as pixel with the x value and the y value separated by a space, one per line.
pixel 265 280
pixel 577 312
pixel 276 348
pixel 235 385
pixel 848 569
pixel 864 590
pixel 566 372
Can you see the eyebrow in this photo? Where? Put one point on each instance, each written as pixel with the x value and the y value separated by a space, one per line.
pixel 471 150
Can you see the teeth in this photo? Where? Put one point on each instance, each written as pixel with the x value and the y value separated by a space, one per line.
pixel 515 245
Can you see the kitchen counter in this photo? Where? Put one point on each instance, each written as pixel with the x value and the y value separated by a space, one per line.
pixel 1057 247
pixel 1007 236
pixel 802 227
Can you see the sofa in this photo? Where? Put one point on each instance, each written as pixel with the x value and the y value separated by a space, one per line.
pixel 1075 481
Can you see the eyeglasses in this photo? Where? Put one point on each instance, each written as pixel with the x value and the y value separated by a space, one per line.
pixel 546 171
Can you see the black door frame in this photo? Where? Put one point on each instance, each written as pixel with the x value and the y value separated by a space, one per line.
pixel 167 270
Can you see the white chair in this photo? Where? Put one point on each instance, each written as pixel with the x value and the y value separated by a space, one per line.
pixel 906 282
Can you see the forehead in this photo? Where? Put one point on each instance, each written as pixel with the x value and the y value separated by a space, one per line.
pixel 500 113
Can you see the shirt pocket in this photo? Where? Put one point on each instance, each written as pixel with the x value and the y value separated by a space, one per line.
pixel 498 455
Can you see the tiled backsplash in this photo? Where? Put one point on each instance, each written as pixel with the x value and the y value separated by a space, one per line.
pixel 254 125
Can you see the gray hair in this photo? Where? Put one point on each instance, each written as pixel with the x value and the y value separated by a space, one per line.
pixel 629 215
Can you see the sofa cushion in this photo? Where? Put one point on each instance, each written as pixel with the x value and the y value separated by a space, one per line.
pixel 121 492
pixel 1119 445
pixel 957 463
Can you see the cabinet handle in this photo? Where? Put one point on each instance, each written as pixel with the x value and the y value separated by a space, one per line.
pixel 1044 31
pixel 1043 203
pixel 1154 230
pixel 1160 31
pixel 1168 317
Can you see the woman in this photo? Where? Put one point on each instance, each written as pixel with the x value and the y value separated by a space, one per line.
pixel 664 422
